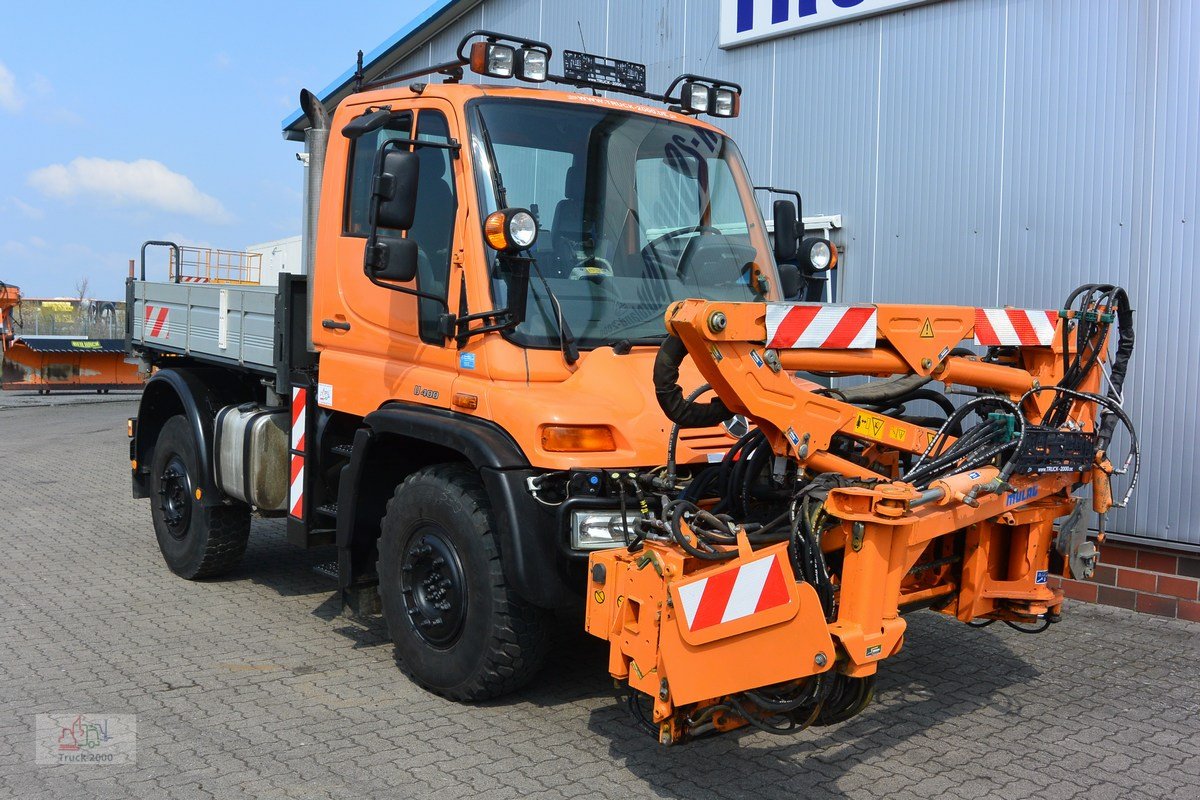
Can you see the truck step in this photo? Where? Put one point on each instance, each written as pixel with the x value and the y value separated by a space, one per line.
pixel 329 569
pixel 343 450
pixel 329 510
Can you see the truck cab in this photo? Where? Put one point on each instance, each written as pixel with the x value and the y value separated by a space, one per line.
pixel 462 387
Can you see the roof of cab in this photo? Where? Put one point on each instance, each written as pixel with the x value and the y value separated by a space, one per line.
pixel 462 92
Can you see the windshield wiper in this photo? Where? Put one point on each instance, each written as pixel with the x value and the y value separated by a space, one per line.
pixel 566 339
pixel 623 346
pixel 497 178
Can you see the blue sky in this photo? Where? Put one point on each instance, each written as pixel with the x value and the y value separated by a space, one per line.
pixel 146 120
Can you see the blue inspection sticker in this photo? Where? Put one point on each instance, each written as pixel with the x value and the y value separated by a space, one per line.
pixel 756 358
pixel 1041 576
pixel 466 360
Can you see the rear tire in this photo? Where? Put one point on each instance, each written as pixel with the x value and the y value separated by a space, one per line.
pixel 197 541
pixel 459 630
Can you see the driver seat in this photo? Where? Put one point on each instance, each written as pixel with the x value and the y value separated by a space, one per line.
pixel 568 229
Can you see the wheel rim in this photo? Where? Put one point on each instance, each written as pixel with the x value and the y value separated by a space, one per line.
pixel 434 587
pixel 175 496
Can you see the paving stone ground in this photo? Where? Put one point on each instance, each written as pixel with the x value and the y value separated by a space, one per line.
pixel 253 686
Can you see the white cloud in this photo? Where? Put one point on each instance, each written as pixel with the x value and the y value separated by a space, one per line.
pixel 10 98
pixel 142 182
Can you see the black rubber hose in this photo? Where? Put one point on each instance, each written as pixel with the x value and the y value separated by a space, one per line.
pixel 1120 365
pixel 670 396
pixel 879 392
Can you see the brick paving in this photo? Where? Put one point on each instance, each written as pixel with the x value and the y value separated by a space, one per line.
pixel 253 686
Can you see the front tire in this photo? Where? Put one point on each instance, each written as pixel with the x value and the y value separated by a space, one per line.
pixel 459 630
pixel 197 541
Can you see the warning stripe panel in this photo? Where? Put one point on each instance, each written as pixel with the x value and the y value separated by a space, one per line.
pixel 296 489
pixel 299 401
pixel 734 594
pixel 793 326
pixel 156 321
pixel 1015 327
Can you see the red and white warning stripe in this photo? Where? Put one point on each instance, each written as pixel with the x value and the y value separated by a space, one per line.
pixel 792 326
pixel 156 322
pixel 192 279
pixel 735 593
pixel 1014 327
pixel 296 490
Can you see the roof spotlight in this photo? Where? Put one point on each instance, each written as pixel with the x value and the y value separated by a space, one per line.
pixel 493 60
pixel 532 65
pixel 697 97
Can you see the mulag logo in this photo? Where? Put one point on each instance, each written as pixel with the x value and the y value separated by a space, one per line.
pixel 1020 496
pixel 745 21
pixel 73 738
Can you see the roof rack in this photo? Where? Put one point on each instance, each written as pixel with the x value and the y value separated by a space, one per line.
pixel 500 55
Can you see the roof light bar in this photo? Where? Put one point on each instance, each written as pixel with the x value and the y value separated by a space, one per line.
pixel 500 55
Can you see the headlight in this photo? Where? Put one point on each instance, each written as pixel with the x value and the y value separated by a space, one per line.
pixel 531 65
pixel 493 60
pixel 818 255
pixel 522 230
pixel 510 230
pixel 597 530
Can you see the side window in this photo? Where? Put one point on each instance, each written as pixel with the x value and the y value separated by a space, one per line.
pixel 433 225
pixel 362 165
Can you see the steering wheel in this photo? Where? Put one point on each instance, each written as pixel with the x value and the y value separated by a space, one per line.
pixel 701 229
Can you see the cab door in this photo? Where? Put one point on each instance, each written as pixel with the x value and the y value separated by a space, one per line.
pixel 380 343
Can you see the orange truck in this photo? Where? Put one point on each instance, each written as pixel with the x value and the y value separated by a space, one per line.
pixel 43 363
pixel 547 356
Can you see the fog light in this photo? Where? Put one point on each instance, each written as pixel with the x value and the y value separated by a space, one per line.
pixel 597 530
pixel 725 103
pixel 531 65
pixel 696 98
pixel 493 60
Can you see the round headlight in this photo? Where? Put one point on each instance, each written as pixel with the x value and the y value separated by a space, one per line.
pixel 522 229
pixel 818 255
pixel 510 230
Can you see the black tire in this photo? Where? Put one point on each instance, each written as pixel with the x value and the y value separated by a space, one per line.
pixel 459 630
pixel 197 541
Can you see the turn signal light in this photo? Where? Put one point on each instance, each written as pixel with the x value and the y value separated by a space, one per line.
pixel 578 439
pixel 467 401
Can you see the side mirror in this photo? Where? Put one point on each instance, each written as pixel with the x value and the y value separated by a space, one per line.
pixel 393 206
pixel 786 233
pixel 789 281
pixel 394 198
pixel 365 123
pixel 391 258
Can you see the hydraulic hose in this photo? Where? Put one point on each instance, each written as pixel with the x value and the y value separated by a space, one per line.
pixel 670 396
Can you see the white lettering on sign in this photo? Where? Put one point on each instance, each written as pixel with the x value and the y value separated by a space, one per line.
pixel 745 21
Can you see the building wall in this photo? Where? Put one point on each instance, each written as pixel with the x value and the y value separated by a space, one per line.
pixel 987 152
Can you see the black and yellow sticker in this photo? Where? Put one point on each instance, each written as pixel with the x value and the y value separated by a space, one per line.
pixel 869 425
pixel 598 596
pixel 927 329
pixel 86 345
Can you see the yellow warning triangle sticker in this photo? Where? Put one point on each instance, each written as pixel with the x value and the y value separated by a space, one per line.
pixel 927 330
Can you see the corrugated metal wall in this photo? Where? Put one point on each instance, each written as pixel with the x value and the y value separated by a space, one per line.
pixel 981 152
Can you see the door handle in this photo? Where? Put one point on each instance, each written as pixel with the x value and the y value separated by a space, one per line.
pixel 333 324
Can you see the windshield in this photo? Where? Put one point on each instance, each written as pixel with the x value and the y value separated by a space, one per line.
pixel 633 214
